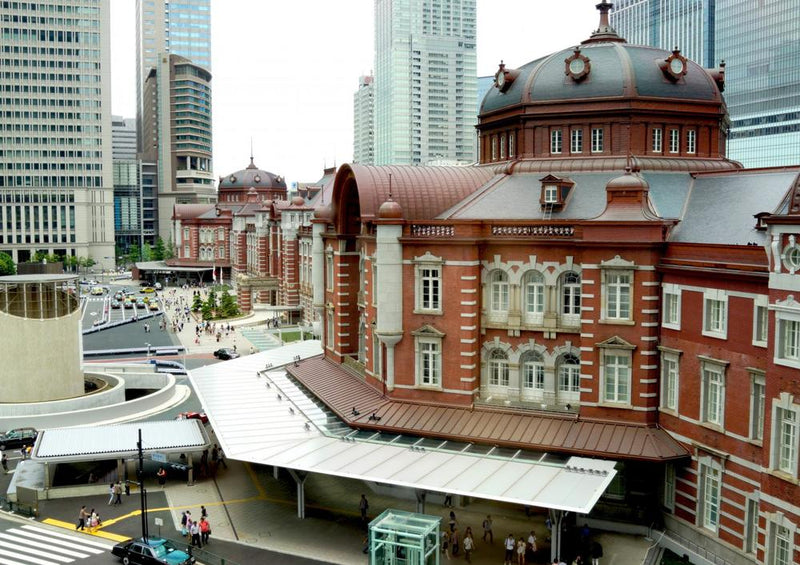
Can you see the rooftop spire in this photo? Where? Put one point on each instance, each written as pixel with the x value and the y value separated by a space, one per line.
pixel 604 31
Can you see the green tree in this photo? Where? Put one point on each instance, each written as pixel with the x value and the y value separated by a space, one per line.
pixel 208 312
pixel 227 305
pixel 7 266
pixel 197 303
pixel 71 262
pixel 169 252
pixel 134 253
pixel 159 250
pixel 212 299
pixel 147 252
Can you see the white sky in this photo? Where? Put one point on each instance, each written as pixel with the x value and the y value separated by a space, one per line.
pixel 284 73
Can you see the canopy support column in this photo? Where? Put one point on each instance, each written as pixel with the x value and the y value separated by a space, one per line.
pixel 556 521
pixel 300 478
pixel 421 494
pixel 191 471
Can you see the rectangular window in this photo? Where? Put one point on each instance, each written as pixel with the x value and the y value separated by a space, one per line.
pixel 790 339
pixel 511 147
pixel 713 394
pixel 597 140
pixel 494 148
pixel 757 404
pixel 674 141
pixel 429 363
pixel 329 272
pixel 658 140
pixel 555 141
pixel 710 489
pixel 669 486
pixel 786 440
pixel 782 546
pixel 671 315
pixel 760 321
pixel 550 193
pixel 377 354
pixel 617 375
pixel 751 526
pixel 691 141
pixel 374 281
pixel 576 141
pixel 534 375
pixel 329 330
pixel 429 288
pixel 618 296
pixel 715 314
pixel 669 381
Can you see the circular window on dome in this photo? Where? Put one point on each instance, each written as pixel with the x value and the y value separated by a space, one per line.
pixel 791 255
pixel 674 66
pixel 257 178
pixel 232 178
pixel 577 66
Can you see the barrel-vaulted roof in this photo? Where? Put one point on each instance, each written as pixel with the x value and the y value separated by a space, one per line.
pixel 422 192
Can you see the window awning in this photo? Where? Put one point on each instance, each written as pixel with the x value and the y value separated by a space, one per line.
pixel 262 415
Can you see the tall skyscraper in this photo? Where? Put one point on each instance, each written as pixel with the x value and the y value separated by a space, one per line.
pixel 425 81
pixel 686 24
pixel 56 189
pixel 757 41
pixel 180 149
pixel 364 121
pixel 127 185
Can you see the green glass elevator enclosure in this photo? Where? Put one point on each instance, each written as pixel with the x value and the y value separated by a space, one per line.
pixel 397 537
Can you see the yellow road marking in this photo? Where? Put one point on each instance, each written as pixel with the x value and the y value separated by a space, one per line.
pixel 262 492
pixel 96 532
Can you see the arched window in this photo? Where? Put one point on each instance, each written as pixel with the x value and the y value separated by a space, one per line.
pixel 569 375
pixel 571 297
pixel 533 371
pixel 362 342
pixel 498 368
pixel 499 291
pixel 533 285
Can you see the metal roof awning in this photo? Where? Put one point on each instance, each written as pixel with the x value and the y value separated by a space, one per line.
pixel 119 441
pixel 162 267
pixel 262 415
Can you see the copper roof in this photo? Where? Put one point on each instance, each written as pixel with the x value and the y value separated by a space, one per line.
pixel 587 164
pixel 422 192
pixel 355 402
pixel 190 211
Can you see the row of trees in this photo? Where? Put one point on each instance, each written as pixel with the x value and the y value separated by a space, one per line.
pixel 158 252
pixel 213 309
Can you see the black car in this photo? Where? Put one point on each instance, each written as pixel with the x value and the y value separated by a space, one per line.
pixel 153 551
pixel 226 353
pixel 17 438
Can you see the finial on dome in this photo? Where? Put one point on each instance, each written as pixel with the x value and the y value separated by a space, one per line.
pixel 604 7
pixel 604 31
pixel 390 186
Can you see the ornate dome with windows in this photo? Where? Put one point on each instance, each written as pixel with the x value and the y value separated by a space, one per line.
pixel 252 176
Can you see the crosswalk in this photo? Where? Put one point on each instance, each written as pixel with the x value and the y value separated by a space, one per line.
pixel 35 545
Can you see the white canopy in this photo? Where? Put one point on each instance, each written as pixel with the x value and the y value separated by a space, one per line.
pixel 262 416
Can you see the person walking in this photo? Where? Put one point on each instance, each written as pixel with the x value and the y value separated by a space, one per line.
pixel 4 462
pixel 111 494
pixel 94 520
pixel 446 544
pixel 82 515
pixel 184 524
pixel 597 553
pixel 205 530
pixel 118 493
pixel 520 551
pixel 487 529
pixel 363 506
pixel 162 477
pixel 469 545
pixel 509 546
pixel 203 512
pixel 195 531
pixel 454 539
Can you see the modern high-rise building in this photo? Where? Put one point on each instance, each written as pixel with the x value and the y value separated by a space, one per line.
pixel 425 81
pixel 56 189
pixel 127 185
pixel 757 41
pixel 364 121
pixel 176 125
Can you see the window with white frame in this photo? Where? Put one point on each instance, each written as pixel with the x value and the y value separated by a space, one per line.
pixel 550 194
pixel 691 141
pixel 712 374
pixel 710 483
pixel 329 329
pixel 187 252
pixel 221 252
pixel 374 263
pixel 556 141
pixel 511 147
pixel 658 140
pixel 377 356
pixel 715 313
pixel 221 234
pixel 760 321
pixel 494 148
pixel 429 288
pixel 669 486
pixel 674 141
pixel 751 525
pixel 785 420
pixel 670 379
pixel 503 147
pixel 497 368
pixel 571 297
pixel 362 343
pixel 498 289
pixel 757 404
pixel 569 374
pixel 362 277
pixel 429 361
pixel 617 376
pixel 576 141
pixel 671 313
pixel 790 340
pixel 533 285
pixel 787 332
pixel 329 271
pixel 779 547
pixel 532 372
pixel 617 289
pixel 185 233
pixel 597 140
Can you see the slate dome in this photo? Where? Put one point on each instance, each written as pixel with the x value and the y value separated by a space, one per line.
pixel 252 176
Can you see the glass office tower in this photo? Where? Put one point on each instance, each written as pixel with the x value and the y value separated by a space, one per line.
pixel 56 186
pixel 425 81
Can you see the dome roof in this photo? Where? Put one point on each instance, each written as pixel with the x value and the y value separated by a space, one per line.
pixel 390 210
pixel 614 70
pixel 253 177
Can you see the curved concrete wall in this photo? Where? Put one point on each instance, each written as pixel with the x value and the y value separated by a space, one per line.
pixel 42 358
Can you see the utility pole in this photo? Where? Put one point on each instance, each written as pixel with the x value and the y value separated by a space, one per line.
pixel 142 492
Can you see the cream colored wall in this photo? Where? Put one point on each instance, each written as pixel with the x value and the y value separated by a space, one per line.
pixel 41 358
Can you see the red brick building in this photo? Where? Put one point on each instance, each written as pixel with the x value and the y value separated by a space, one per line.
pixel 605 283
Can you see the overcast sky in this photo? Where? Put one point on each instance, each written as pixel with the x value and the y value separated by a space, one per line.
pixel 284 73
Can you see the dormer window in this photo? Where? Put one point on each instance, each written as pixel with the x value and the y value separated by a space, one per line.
pixel 550 194
pixel 554 192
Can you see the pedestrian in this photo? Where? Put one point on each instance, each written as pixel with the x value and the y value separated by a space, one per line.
pixel 453 522
pixel 118 493
pixel 214 458
pixel 509 546
pixel 520 551
pixel 469 545
pixel 446 544
pixel 597 553
pixel 110 494
pixel 162 477
pixel 184 522
pixel 82 515
pixel 532 541
pixel 363 505
pixel 221 455
pixel 195 531
pixel 23 451
pixel 454 539
pixel 448 501
pixel 203 512
pixel 205 530
pixel 94 520
pixel 4 462
pixel 487 529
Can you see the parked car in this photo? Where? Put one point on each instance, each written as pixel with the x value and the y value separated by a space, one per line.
pixel 193 416
pixel 153 305
pixel 129 303
pixel 157 286
pixel 140 303
pixel 147 289
pixel 97 290
pixel 151 551
pixel 226 353
pixel 116 304
pixel 18 437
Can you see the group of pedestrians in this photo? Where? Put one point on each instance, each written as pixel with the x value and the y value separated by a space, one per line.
pixel 198 531
pixel 115 493
pixel 452 541
pixel 519 551
pixel 88 520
